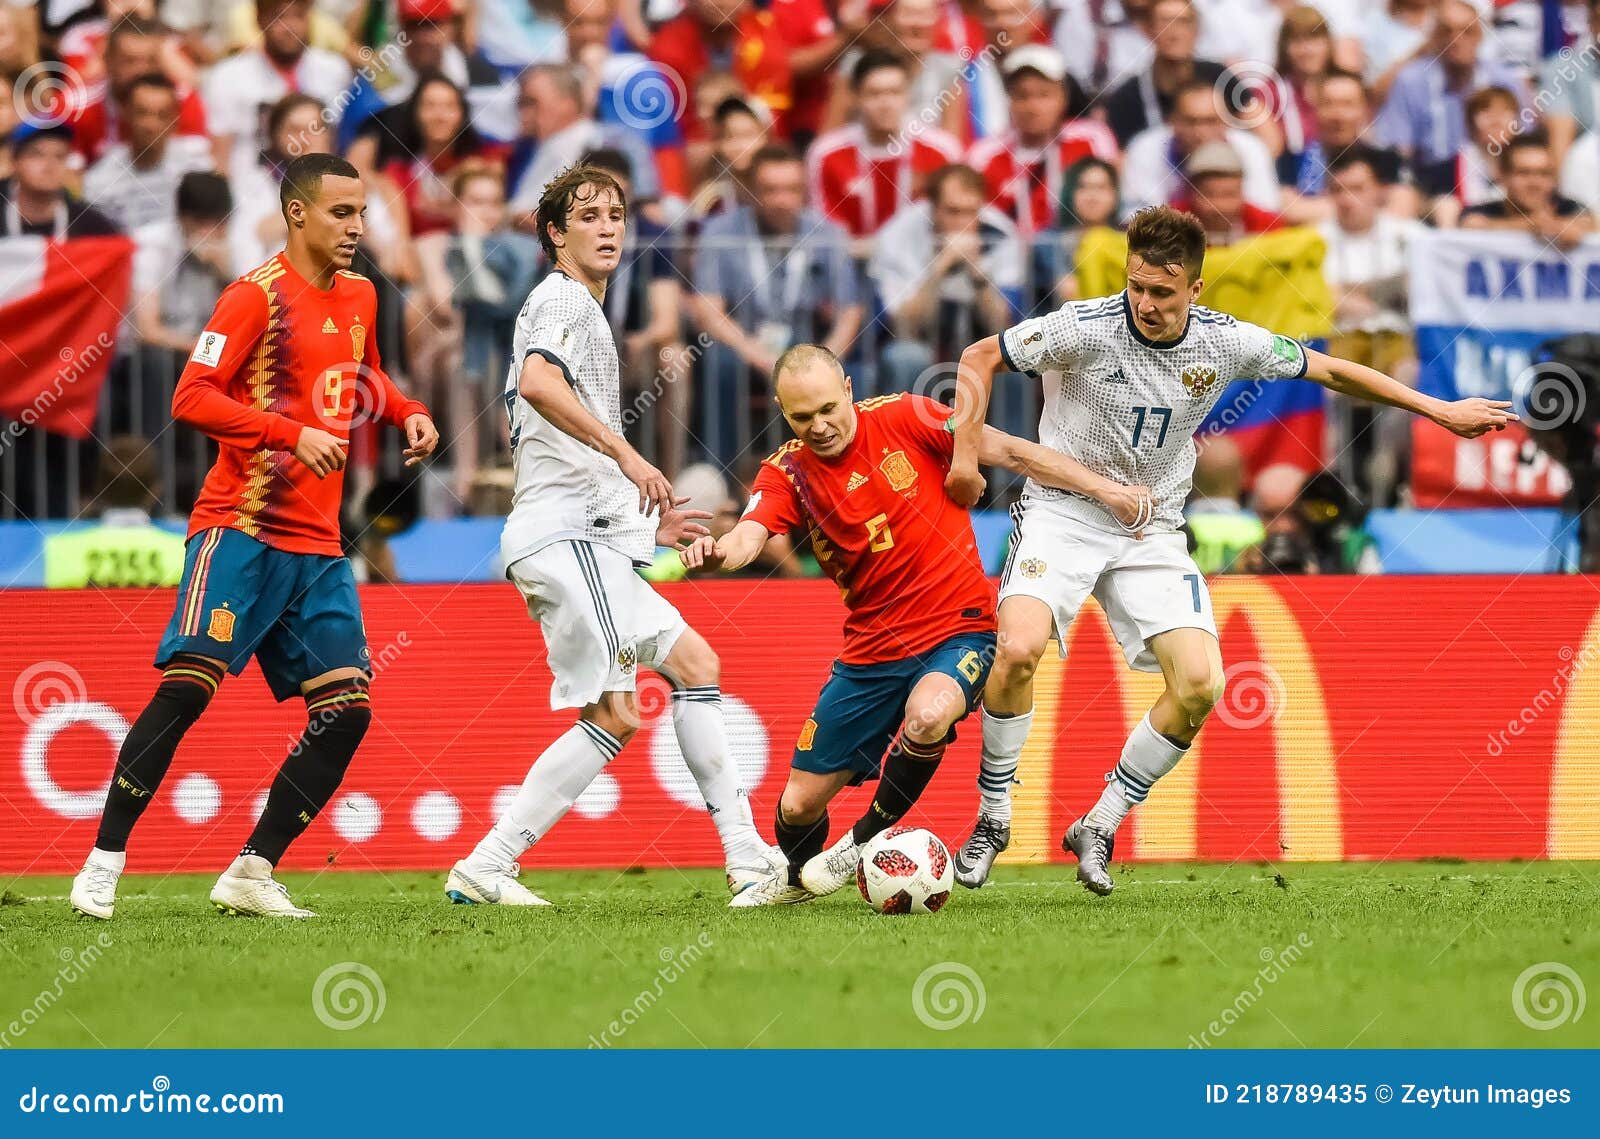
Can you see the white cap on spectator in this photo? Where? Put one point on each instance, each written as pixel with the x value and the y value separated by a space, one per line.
pixel 1047 61
pixel 1213 158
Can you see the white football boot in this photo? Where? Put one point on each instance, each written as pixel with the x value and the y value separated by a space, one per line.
pixel 473 886
pixel 746 872
pixel 834 868
pixel 773 891
pixel 94 890
pixel 248 889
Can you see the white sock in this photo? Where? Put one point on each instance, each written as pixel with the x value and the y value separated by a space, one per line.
pixel 110 859
pixel 1003 737
pixel 697 718
pixel 1146 757
pixel 553 784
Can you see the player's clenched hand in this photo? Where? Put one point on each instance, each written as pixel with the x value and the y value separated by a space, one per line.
pixel 1470 418
pixel 319 450
pixel 655 492
pixel 964 485
pixel 701 554
pixel 679 525
pixel 423 437
pixel 1132 506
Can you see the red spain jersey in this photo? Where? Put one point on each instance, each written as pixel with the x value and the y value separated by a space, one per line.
pixel 860 186
pixel 900 549
pixel 1026 184
pixel 279 354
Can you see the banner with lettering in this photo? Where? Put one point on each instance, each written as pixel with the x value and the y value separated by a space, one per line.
pixel 1482 304
pixel 1315 753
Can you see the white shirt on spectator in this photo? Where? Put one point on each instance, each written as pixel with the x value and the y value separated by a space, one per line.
pixel 132 197
pixel 1580 172
pixel 905 248
pixel 241 89
pixel 1149 177
pixel 1233 31
pixel 1361 258
pixel 1081 41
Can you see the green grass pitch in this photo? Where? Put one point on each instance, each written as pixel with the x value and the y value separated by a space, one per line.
pixel 1369 955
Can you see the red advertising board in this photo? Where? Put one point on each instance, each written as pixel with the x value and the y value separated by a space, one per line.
pixel 1366 718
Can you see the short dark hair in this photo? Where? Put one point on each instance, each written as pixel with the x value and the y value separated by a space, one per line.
pixel 133 26
pixel 204 196
pixel 565 189
pixel 302 178
pixel 1358 155
pixel 609 159
pixel 738 105
pixel 874 59
pixel 960 173
pixel 1334 73
pixel 1534 139
pixel 1162 235
pixel 155 80
pixel 771 154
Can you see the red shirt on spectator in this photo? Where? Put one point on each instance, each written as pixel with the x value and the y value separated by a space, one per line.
pixel 861 186
pixel 1025 183
pixel 97 126
pixel 425 187
pixel 759 58
pixel 1253 219
pixel 805 23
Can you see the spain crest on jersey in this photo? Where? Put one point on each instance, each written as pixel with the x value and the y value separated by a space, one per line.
pixel 1199 380
pixel 898 470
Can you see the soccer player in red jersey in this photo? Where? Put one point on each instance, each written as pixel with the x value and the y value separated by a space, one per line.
pixel 275 378
pixel 865 481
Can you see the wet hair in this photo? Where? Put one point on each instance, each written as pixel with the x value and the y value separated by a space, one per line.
pixel 566 190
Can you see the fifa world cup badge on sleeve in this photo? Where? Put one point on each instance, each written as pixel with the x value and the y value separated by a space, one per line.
pixel 208 349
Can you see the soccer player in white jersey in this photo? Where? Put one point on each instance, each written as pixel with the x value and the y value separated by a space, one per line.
pixel 588 510
pixel 1131 377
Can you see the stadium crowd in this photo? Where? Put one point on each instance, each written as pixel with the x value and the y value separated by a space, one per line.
pixel 892 178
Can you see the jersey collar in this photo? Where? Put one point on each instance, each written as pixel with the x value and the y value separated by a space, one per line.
pixel 1161 345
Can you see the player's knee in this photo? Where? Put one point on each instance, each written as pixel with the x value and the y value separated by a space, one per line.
pixel 342 711
pixel 1197 693
pixel 617 714
pixel 1016 657
pixel 695 664
pixel 929 718
pixel 799 806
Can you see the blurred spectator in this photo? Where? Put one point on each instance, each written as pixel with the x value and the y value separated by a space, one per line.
pixel 1151 168
pixel 707 488
pixel 644 305
pixel 134 182
pixel 1091 196
pixel 1424 116
pixel 436 136
pixel 515 33
pixel 1024 166
pixel 1312 526
pixel 183 264
pixel 1246 33
pixel 555 119
pixel 936 90
pixel 135 47
pixel 1343 118
pixel 34 200
pixel 949 271
pixel 19 41
pixel 766 276
pixel 1304 55
pixel 1103 41
pixel 814 41
pixel 1396 33
pixel 1149 97
pixel 734 36
pixel 1531 203
pixel 1366 265
pixel 1285 545
pixel 1215 194
pixel 1472 176
pixel 862 173
pixel 240 90
pixel 1572 82
pixel 742 129
pixel 123 547
pixel 1006 26
pixel 214 28
pixel 1580 172
pixel 1222 528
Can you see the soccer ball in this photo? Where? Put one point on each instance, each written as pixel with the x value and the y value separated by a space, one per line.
pixel 905 870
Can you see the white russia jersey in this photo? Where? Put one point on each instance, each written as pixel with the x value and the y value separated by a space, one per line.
pixel 565 489
pixel 1127 407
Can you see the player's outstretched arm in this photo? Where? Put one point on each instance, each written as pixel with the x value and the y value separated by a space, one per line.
pixel 545 387
pixel 733 551
pixel 1467 418
pixel 974 382
pixel 1130 505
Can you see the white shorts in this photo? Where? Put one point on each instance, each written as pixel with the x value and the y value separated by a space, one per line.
pixel 601 621
pixel 1146 587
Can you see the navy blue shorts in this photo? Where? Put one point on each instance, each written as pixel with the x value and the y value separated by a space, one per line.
pixel 297 614
pixel 862 705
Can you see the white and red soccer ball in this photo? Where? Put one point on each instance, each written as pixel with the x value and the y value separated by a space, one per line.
pixel 905 870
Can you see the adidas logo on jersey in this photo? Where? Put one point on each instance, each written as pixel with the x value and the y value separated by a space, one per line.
pixel 1117 377
pixel 329 326
pixel 856 479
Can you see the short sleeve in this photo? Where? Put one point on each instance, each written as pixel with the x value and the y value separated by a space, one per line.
pixel 773 503
pixel 560 329
pixel 928 422
pixel 1267 355
pixel 1054 340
